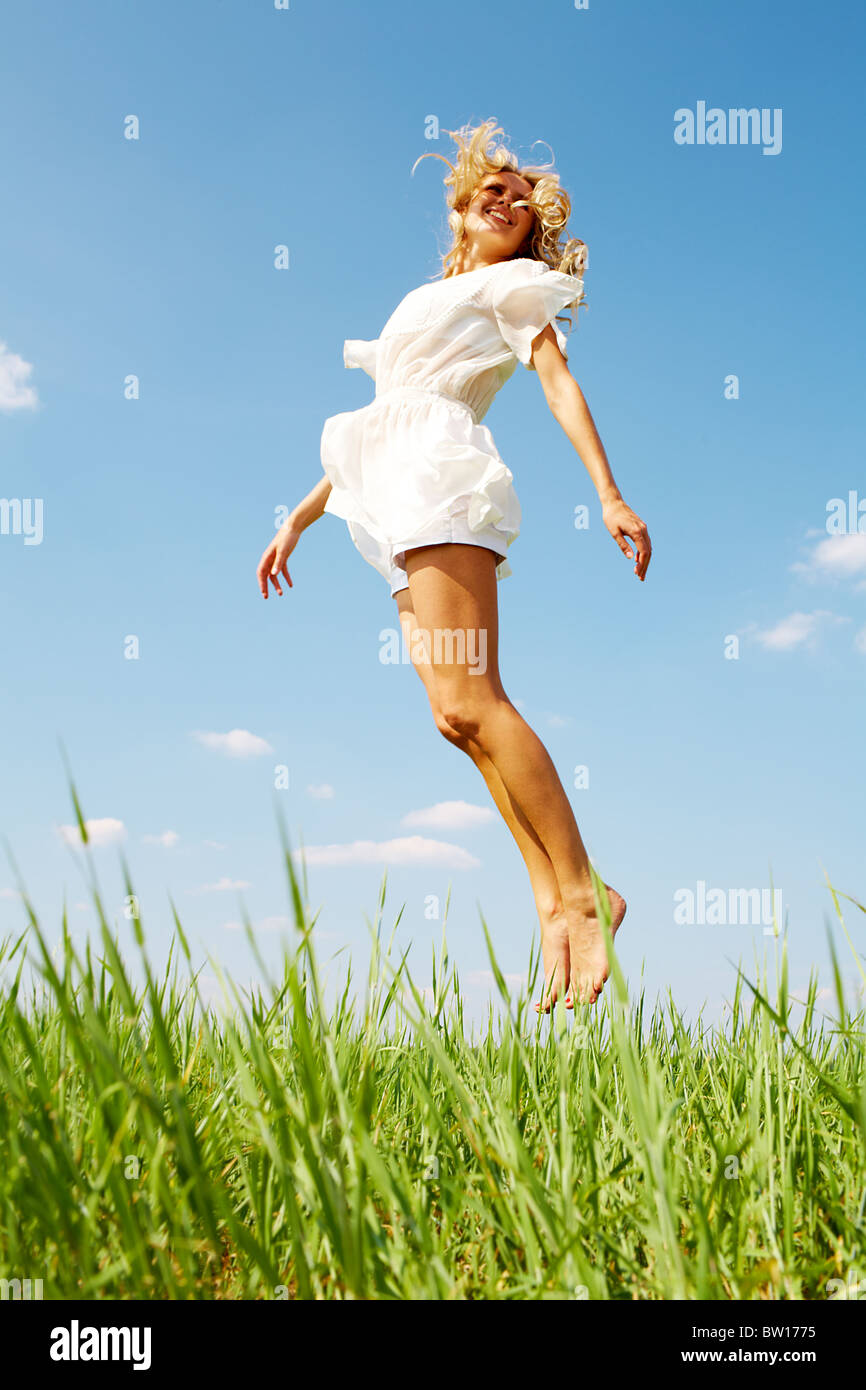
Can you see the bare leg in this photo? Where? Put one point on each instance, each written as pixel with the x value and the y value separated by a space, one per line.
pixel 453 594
pixel 545 889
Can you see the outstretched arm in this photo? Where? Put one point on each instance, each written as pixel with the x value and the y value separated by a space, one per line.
pixel 275 555
pixel 567 404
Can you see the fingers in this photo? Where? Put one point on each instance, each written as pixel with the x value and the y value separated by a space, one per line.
pixel 644 552
pixel 273 563
pixel 644 549
pixel 640 538
pixel 623 544
pixel 279 567
pixel 268 569
pixel 262 571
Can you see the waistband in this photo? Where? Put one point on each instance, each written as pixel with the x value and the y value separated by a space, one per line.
pixel 404 392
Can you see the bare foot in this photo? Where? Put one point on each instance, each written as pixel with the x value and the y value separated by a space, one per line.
pixel 556 961
pixel 589 963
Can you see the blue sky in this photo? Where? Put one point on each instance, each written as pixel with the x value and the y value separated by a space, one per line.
pixel 155 257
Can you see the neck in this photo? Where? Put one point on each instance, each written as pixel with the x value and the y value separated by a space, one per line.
pixel 472 259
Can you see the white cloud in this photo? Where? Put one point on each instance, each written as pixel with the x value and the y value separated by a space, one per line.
pixel 224 885
pixel 99 832
pixel 558 721
pixel 860 640
pixel 266 924
pixel 793 631
pixel 9 893
pixel 450 815
pixel 480 979
pixel 15 391
pixel 168 839
pixel 836 557
pixel 239 743
pixel 322 791
pixel 214 844
pixel 413 849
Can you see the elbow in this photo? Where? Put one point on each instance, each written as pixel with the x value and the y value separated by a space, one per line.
pixel 562 394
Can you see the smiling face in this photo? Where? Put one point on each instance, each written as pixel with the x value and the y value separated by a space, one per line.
pixel 495 229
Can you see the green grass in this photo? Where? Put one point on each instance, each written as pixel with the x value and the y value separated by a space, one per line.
pixel 155 1146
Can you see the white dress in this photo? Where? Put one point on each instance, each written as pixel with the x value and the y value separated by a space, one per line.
pixel 416 466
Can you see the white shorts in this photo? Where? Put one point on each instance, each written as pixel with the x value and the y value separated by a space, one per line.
pixel 455 531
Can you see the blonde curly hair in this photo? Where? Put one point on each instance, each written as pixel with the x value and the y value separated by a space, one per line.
pixel 478 155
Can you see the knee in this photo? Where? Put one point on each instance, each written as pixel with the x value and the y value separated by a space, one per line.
pixel 462 717
pixel 464 713
pixel 446 729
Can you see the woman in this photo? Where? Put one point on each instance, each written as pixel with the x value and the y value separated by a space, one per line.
pixel 430 503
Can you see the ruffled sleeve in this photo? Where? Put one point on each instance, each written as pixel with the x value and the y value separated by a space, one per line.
pixel 358 353
pixel 527 296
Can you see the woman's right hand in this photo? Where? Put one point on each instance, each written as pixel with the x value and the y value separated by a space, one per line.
pixel 273 561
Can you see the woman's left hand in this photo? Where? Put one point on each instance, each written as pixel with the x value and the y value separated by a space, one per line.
pixel 274 557
pixel 625 525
